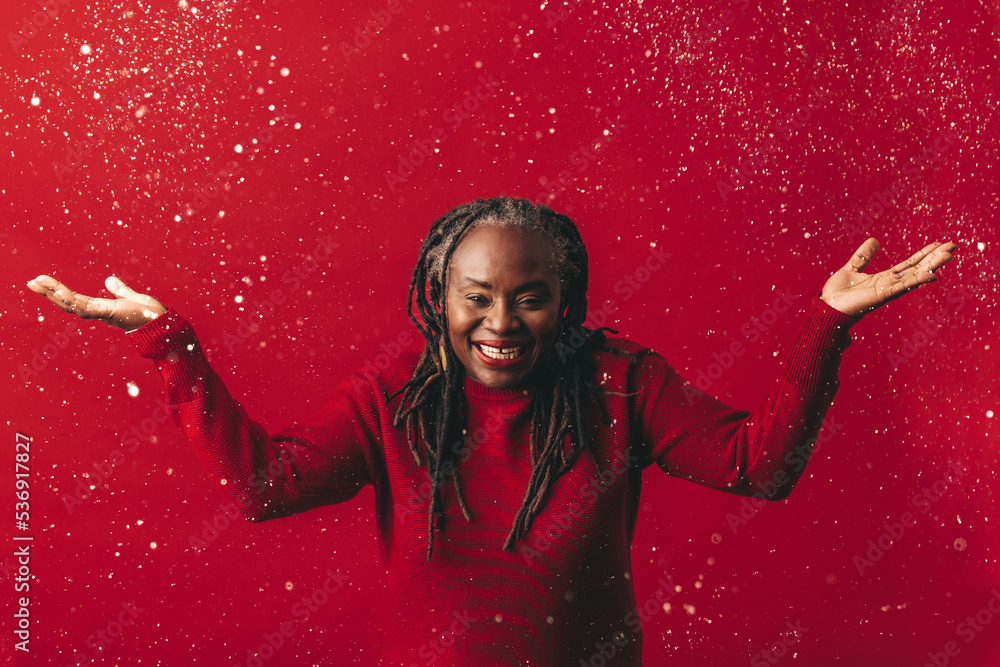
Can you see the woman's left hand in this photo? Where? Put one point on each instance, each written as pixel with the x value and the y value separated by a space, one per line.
pixel 855 293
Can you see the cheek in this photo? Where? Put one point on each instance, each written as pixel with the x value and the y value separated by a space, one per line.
pixel 545 326
pixel 458 325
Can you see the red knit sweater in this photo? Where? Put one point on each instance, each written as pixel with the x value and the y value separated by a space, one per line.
pixel 564 595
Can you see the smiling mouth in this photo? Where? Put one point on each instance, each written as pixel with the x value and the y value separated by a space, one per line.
pixel 501 353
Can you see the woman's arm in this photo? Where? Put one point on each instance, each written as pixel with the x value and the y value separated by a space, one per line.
pixel 321 461
pixel 695 436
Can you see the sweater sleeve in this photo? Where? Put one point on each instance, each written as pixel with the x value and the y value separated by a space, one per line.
pixel 692 435
pixel 324 460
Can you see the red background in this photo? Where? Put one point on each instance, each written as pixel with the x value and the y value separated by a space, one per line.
pixel 695 97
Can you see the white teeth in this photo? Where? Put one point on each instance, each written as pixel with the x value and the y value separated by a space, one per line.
pixel 501 353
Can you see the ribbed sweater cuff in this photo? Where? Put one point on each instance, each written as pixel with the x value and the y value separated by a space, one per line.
pixel 822 338
pixel 171 342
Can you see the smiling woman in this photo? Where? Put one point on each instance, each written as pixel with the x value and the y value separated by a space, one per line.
pixel 502 324
pixel 508 391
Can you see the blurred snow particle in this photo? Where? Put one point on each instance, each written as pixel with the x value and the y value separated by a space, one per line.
pixel 133 390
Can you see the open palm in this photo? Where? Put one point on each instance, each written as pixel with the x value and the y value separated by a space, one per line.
pixel 130 310
pixel 855 293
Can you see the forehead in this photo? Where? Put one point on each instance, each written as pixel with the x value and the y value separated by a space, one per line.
pixel 490 252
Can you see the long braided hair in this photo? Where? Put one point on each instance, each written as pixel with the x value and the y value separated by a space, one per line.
pixel 433 400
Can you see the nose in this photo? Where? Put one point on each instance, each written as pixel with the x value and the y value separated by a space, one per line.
pixel 502 318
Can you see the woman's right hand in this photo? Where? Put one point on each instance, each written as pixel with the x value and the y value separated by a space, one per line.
pixel 129 311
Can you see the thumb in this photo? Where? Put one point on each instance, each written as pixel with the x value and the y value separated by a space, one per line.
pixel 859 260
pixel 120 289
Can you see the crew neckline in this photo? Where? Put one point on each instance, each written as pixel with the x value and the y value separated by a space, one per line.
pixel 474 389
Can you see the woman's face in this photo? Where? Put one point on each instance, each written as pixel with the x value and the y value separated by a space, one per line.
pixel 502 304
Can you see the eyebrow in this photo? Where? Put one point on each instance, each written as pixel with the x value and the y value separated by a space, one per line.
pixel 534 284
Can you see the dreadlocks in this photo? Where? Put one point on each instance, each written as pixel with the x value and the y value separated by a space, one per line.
pixel 433 400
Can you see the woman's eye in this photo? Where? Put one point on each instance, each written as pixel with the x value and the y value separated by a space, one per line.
pixel 476 298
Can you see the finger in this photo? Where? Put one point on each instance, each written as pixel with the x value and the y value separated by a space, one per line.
pixel 120 289
pixel 62 296
pixel 916 258
pixel 940 257
pixel 97 308
pixel 896 284
pixel 923 272
pixel 123 291
pixel 70 301
pixel 859 260
pixel 44 285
